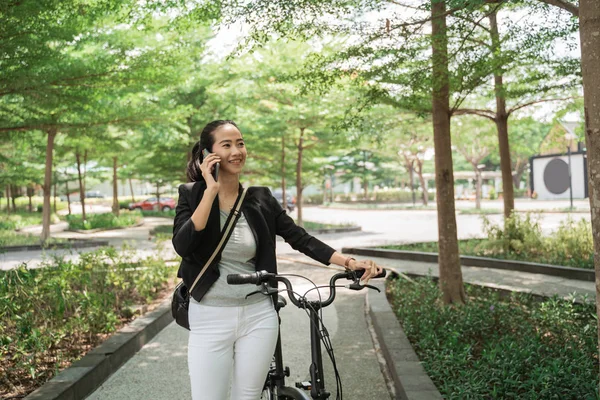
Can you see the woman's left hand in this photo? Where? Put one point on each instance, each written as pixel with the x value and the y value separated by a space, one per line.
pixel 371 269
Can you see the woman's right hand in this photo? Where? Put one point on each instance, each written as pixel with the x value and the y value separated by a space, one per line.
pixel 207 166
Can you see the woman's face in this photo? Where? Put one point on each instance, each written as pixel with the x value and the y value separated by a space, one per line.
pixel 230 146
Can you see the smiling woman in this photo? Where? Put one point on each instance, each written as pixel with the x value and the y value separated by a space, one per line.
pixel 231 335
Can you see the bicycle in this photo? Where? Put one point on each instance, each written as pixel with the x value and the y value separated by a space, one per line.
pixel 275 387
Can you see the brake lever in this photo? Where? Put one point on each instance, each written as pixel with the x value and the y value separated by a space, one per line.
pixel 264 289
pixel 358 286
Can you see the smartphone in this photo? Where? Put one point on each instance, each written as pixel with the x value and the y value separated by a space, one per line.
pixel 215 172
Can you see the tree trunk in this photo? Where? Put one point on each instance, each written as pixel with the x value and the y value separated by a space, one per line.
pixel 518 171
pixel 423 183
pixel 589 31
pixel 81 185
pixel 477 187
pixel 13 196
pixel 157 195
pixel 299 178
pixel 284 199
pixel 68 195
pixel 47 184
pixel 364 179
pixel 501 120
pixel 131 189
pixel 30 195
pixel 451 282
pixel 85 160
pixel 8 199
pixel 115 205
pixel 55 183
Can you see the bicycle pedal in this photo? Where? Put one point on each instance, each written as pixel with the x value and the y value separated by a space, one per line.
pixel 306 385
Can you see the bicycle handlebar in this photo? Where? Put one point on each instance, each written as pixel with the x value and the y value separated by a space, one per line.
pixel 260 277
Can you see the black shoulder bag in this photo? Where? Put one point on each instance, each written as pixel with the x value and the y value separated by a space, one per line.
pixel 180 303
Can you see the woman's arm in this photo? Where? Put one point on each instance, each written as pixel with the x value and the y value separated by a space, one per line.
pixel 188 227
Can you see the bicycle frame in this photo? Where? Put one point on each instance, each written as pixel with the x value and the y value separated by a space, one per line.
pixel 275 381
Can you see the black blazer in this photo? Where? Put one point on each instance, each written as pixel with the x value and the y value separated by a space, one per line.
pixel 266 219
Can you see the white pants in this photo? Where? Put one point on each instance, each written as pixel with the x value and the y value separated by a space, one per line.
pixel 226 340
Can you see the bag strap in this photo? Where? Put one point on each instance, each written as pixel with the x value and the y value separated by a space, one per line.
pixel 224 238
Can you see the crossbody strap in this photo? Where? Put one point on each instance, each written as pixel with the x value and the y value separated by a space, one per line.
pixel 224 238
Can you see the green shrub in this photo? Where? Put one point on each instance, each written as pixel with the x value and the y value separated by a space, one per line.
pixel 12 238
pixel 492 348
pixel 22 219
pixel 54 314
pixel 104 220
pixel 520 235
pixel 166 214
pixel 572 244
pixel 168 229
pixel 521 239
pixel 314 199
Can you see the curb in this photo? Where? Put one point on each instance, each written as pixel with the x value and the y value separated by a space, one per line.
pixel 410 379
pixel 87 374
pixel 471 261
pixel 72 244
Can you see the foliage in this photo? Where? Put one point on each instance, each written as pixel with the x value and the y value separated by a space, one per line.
pixel 54 314
pixel 522 239
pixel 19 220
pixel 500 348
pixel 105 220
pixel 164 214
pixel 11 238
pixel 520 235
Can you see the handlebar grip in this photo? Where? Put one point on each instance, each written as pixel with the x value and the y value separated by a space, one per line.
pixel 359 273
pixel 242 279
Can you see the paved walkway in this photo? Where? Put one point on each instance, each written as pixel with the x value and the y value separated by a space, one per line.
pixel 151 373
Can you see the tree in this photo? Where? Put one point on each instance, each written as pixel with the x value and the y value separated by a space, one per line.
pixel 475 142
pixel 524 72
pixel 588 12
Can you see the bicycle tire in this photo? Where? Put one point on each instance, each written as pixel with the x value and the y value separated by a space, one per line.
pixel 292 393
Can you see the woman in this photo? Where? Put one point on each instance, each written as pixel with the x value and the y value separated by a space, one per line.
pixel 232 338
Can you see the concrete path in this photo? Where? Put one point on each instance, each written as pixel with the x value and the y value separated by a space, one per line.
pixel 151 373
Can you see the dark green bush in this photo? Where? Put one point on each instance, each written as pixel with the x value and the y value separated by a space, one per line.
pixel 54 314
pixel 167 214
pixel 105 220
pixel 493 348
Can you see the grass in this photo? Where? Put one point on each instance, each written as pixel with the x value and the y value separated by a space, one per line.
pixel 498 347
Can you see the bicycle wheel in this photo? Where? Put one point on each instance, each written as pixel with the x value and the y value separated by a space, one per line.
pixel 292 393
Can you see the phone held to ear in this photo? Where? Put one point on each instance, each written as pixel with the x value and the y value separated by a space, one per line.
pixel 215 171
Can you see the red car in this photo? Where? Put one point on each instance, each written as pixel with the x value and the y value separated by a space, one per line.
pixel 166 204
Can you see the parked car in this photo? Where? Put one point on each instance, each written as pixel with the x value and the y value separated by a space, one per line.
pixel 291 201
pixel 95 194
pixel 166 204
pixel 74 196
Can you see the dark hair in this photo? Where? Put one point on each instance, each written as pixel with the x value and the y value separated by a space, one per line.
pixel 207 140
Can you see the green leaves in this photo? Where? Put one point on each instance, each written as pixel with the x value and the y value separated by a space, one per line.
pixel 495 347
